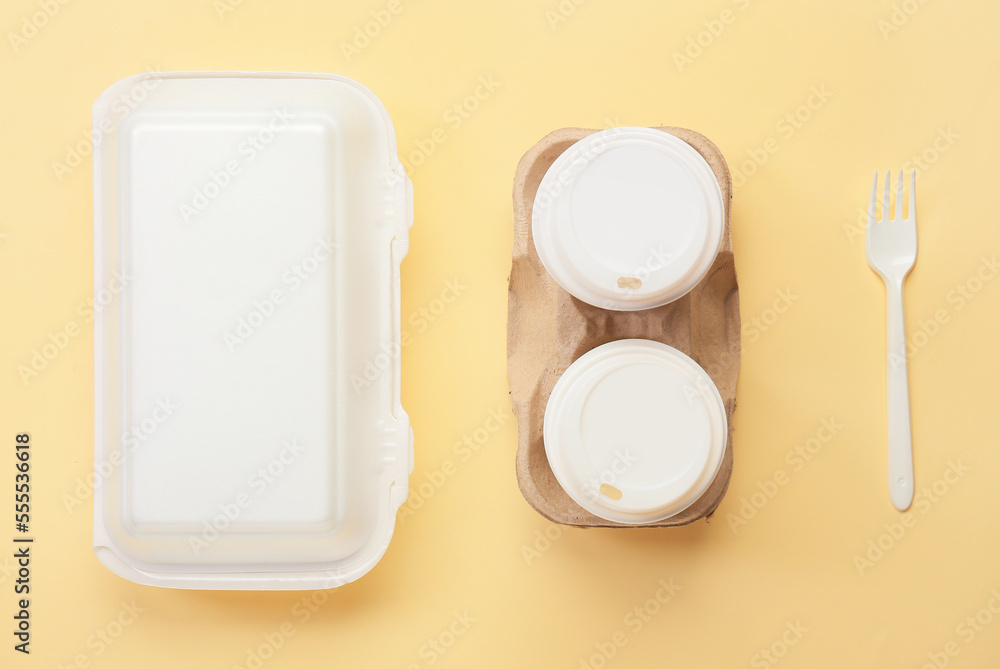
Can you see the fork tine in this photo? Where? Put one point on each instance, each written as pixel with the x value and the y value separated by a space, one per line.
pixel 871 203
pixel 885 197
pixel 911 214
pixel 899 197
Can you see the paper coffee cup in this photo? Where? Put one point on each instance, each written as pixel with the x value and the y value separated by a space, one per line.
pixel 628 218
pixel 635 431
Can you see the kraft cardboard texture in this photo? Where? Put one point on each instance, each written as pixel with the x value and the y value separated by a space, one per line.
pixel 547 329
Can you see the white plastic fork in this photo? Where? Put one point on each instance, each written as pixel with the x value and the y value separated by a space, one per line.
pixel 891 250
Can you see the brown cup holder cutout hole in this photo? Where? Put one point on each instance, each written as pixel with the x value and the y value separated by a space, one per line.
pixel 609 490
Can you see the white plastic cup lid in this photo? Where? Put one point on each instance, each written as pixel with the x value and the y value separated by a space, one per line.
pixel 628 218
pixel 635 431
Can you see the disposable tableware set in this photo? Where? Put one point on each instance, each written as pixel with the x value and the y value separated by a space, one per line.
pixel 264 289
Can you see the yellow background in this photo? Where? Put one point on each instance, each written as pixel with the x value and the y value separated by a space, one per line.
pixel 468 549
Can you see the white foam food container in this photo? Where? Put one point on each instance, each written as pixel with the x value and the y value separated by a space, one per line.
pixel 249 229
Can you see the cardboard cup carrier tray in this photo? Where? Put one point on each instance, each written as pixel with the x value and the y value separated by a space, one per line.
pixel 549 329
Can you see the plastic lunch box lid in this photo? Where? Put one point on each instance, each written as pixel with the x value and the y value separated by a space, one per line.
pixel 628 218
pixel 635 431
pixel 248 426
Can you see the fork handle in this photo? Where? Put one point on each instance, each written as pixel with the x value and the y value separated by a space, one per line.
pixel 898 401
